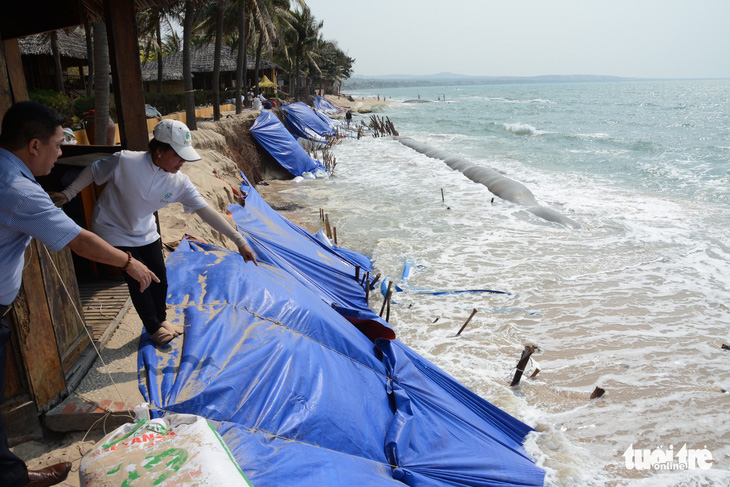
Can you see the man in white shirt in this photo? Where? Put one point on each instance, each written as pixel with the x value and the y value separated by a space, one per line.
pixel 137 185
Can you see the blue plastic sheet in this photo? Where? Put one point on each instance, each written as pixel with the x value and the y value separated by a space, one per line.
pixel 301 396
pixel 310 259
pixel 323 104
pixel 302 121
pixel 277 141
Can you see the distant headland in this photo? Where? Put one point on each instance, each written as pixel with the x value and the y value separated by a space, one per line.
pixel 453 79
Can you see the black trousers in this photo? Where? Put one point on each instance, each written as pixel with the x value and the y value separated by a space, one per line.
pixel 13 472
pixel 150 304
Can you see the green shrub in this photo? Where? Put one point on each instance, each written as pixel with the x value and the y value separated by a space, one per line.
pixel 54 99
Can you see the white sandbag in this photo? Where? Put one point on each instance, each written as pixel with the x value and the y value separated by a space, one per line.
pixel 179 449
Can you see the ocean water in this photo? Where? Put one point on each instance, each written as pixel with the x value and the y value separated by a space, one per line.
pixel 636 301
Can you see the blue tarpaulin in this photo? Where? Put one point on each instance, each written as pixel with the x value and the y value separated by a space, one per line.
pixel 277 141
pixel 323 105
pixel 298 393
pixel 303 122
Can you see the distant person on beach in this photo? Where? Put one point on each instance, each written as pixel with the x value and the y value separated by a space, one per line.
pixel 348 117
pixel 249 98
pixel 30 144
pixel 138 184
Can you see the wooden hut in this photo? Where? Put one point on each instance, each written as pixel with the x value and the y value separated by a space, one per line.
pixel 49 351
pixel 201 65
pixel 39 66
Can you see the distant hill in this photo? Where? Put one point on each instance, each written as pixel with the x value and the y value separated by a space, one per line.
pixel 453 79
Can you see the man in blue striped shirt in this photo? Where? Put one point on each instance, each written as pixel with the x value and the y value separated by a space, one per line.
pixel 30 144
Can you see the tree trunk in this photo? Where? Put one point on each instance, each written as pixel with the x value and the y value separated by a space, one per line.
pixel 101 84
pixel 242 59
pixel 160 68
pixel 187 68
pixel 57 62
pixel 296 78
pixel 258 61
pixel 217 64
pixel 89 56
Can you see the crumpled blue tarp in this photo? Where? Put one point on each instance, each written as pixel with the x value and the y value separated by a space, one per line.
pixel 303 122
pixel 301 396
pixel 277 141
pixel 311 259
pixel 323 104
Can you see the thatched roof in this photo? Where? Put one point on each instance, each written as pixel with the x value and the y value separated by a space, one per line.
pixel 71 45
pixel 201 60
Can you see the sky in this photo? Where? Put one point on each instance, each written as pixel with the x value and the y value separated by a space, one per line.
pixel 629 38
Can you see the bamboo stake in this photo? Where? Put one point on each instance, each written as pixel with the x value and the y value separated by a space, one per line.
pixel 357 273
pixel 474 311
pixel 386 298
pixel 442 196
pixel 387 309
pixel 526 353
pixel 367 287
pixel 334 229
pixel 537 371
pixel 327 226
pixel 377 278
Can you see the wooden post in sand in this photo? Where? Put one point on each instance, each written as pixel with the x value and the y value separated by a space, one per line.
pixel 442 196
pixel 372 284
pixel 357 273
pixel 334 230
pixel 386 298
pixel 474 311
pixel 387 309
pixel 327 225
pixel 526 353
pixel 367 287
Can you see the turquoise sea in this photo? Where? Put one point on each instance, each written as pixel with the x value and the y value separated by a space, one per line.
pixel 636 301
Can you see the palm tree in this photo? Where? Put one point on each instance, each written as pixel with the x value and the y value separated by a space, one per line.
pixel 217 61
pixel 187 65
pixel 336 66
pixel 302 37
pixel 57 62
pixel 101 83
pixel 151 23
pixel 241 59
pixel 89 53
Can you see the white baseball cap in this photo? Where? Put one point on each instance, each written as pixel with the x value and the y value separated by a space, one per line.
pixel 177 134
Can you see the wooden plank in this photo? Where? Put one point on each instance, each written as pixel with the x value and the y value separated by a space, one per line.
pixel 6 93
pixel 121 28
pixel 104 304
pixel 62 293
pixel 36 338
pixel 16 382
pixel 15 70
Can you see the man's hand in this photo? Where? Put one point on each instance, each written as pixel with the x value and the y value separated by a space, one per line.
pixel 140 273
pixel 92 247
pixel 247 254
pixel 59 199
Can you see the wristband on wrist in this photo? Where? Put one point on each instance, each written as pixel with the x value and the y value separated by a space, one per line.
pixel 129 261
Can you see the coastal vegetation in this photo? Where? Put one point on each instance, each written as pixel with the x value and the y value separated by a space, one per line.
pixel 281 33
